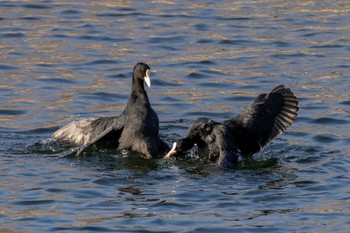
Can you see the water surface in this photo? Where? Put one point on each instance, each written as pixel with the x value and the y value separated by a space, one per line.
pixel 64 60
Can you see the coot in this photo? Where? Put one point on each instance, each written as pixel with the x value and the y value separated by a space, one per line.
pixel 245 134
pixel 136 128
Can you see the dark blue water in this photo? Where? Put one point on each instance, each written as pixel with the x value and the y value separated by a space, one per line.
pixel 63 60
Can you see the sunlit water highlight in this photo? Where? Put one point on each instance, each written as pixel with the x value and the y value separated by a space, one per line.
pixel 63 60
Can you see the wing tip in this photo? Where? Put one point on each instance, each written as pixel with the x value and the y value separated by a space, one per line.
pixel 289 110
pixel 73 132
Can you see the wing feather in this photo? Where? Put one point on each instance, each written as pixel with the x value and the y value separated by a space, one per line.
pixel 85 131
pixel 265 119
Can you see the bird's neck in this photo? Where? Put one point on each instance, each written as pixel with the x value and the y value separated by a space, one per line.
pixel 138 89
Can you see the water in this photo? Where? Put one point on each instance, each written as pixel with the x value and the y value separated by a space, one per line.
pixel 63 60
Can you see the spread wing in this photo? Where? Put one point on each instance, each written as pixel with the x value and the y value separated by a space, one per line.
pixel 265 119
pixel 90 130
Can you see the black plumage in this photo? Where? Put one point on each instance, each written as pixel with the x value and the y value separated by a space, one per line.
pixel 136 128
pixel 245 134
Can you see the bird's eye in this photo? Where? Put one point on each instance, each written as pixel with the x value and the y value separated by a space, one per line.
pixel 207 128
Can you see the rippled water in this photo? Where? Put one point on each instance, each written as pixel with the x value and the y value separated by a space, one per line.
pixel 62 60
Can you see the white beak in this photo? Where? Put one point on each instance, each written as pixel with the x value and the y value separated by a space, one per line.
pixel 148 78
pixel 171 152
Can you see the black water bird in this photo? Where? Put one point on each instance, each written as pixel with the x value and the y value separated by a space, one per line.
pixel 136 128
pixel 245 134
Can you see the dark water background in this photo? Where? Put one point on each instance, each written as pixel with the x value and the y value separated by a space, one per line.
pixel 63 60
